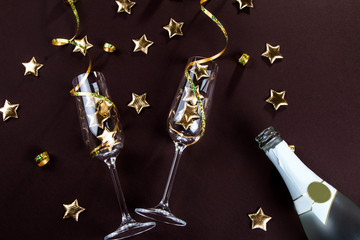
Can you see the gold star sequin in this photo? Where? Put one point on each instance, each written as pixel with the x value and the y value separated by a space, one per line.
pixel 190 95
pixel 107 138
pixel 73 210
pixel 245 3
pixel 125 6
pixel 138 102
pixel 259 219
pixel 103 107
pixel 174 28
pixel 32 67
pixel 272 53
pixel 97 120
pixel 277 99
pixel 200 71
pixel 9 110
pixel 189 114
pixel 142 44
pixel 82 45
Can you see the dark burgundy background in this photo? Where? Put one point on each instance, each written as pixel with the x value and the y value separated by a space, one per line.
pixel 220 179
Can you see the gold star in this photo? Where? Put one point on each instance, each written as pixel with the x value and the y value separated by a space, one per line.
pixel 277 99
pixel 9 110
pixel 190 95
pixel 142 44
pixel 174 28
pixel 108 138
pixel 190 113
pixel 200 71
pixel 32 67
pixel 125 6
pixel 138 102
pixel 245 3
pixel 73 210
pixel 97 120
pixel 259 219
pixel 272 53
pixel 82 45
pixel 103 107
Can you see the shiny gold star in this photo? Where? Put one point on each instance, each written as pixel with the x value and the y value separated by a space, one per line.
pixel 245 3
pixel 107 138
pixel 259 219
pixel 174 28
pixel 82 45
pixel 190 113
pixel 190 95
pixel 272 53
pixel 97 120
pixel 32 67
pixel 142 44
pixel 103 107
pixel 277 99
pixel 9 110
pixel 73 210
pixel 125 6
pixel 138 102
pixel 200 71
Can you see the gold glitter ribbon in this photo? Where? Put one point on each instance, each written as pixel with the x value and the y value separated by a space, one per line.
pixel 109 48
pixel 187 75
pixel 42 159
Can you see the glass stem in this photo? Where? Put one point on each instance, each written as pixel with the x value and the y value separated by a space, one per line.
pixel 125 216
pixel 164 203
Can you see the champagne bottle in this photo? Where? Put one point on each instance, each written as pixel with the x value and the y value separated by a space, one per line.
pixel 324 212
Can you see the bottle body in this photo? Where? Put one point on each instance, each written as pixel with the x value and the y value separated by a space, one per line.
pixel 324 212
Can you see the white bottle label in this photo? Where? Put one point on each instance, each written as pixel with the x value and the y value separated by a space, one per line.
pixel 309 192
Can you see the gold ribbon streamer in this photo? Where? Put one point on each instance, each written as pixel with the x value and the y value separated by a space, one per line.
pixel 187 75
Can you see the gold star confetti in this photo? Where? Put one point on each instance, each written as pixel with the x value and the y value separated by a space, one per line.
pixel 259 219
pixel 125 6
pixel 97 120
pixel 32 67
pixel 277 99
pixel 138 102
pixel 200 71
pixel 272 53
pixel 190 95
pixel 82 45
pixel 108 138
pixel 9 110
pixel 142 44
pixel 245 3
pixel 73 210
pixel 103 107
pixel 174 28
pixel 190 113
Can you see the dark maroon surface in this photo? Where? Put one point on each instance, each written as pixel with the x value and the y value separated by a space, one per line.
pixel 224 176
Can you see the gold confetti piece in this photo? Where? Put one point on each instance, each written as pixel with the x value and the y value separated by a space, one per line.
pixel 245 3
pixel 200 71
pixel 109 48
pixel 259 219
pixel 189 115
pixel 9 110
pixel 244 59
pixel 138 102
pixel 97 120
pixel 174 28
pixel 107 139
pixel 292 147
pixel 42 159
pixel 272 53
pixel 125 6
pixel 32 67
pixel 190 95
pixel 73 210
pixel 142 44
pixel 82 45
pixel 277 99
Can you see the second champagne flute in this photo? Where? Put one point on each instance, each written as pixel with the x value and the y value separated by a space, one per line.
pixel 185 127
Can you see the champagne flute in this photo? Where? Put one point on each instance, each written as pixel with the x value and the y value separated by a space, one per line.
pixel 185 128
pixel 103 134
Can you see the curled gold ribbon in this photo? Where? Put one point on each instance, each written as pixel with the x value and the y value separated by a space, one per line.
pixel 187 75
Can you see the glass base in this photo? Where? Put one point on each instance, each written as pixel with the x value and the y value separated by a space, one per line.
pixel 130 229
pixel 160 215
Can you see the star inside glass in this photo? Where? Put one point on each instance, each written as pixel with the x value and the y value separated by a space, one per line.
pixel 190 95
pixel 200 71
pixel 190 113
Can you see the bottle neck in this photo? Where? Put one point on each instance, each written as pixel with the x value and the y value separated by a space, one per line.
pixel 268 139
